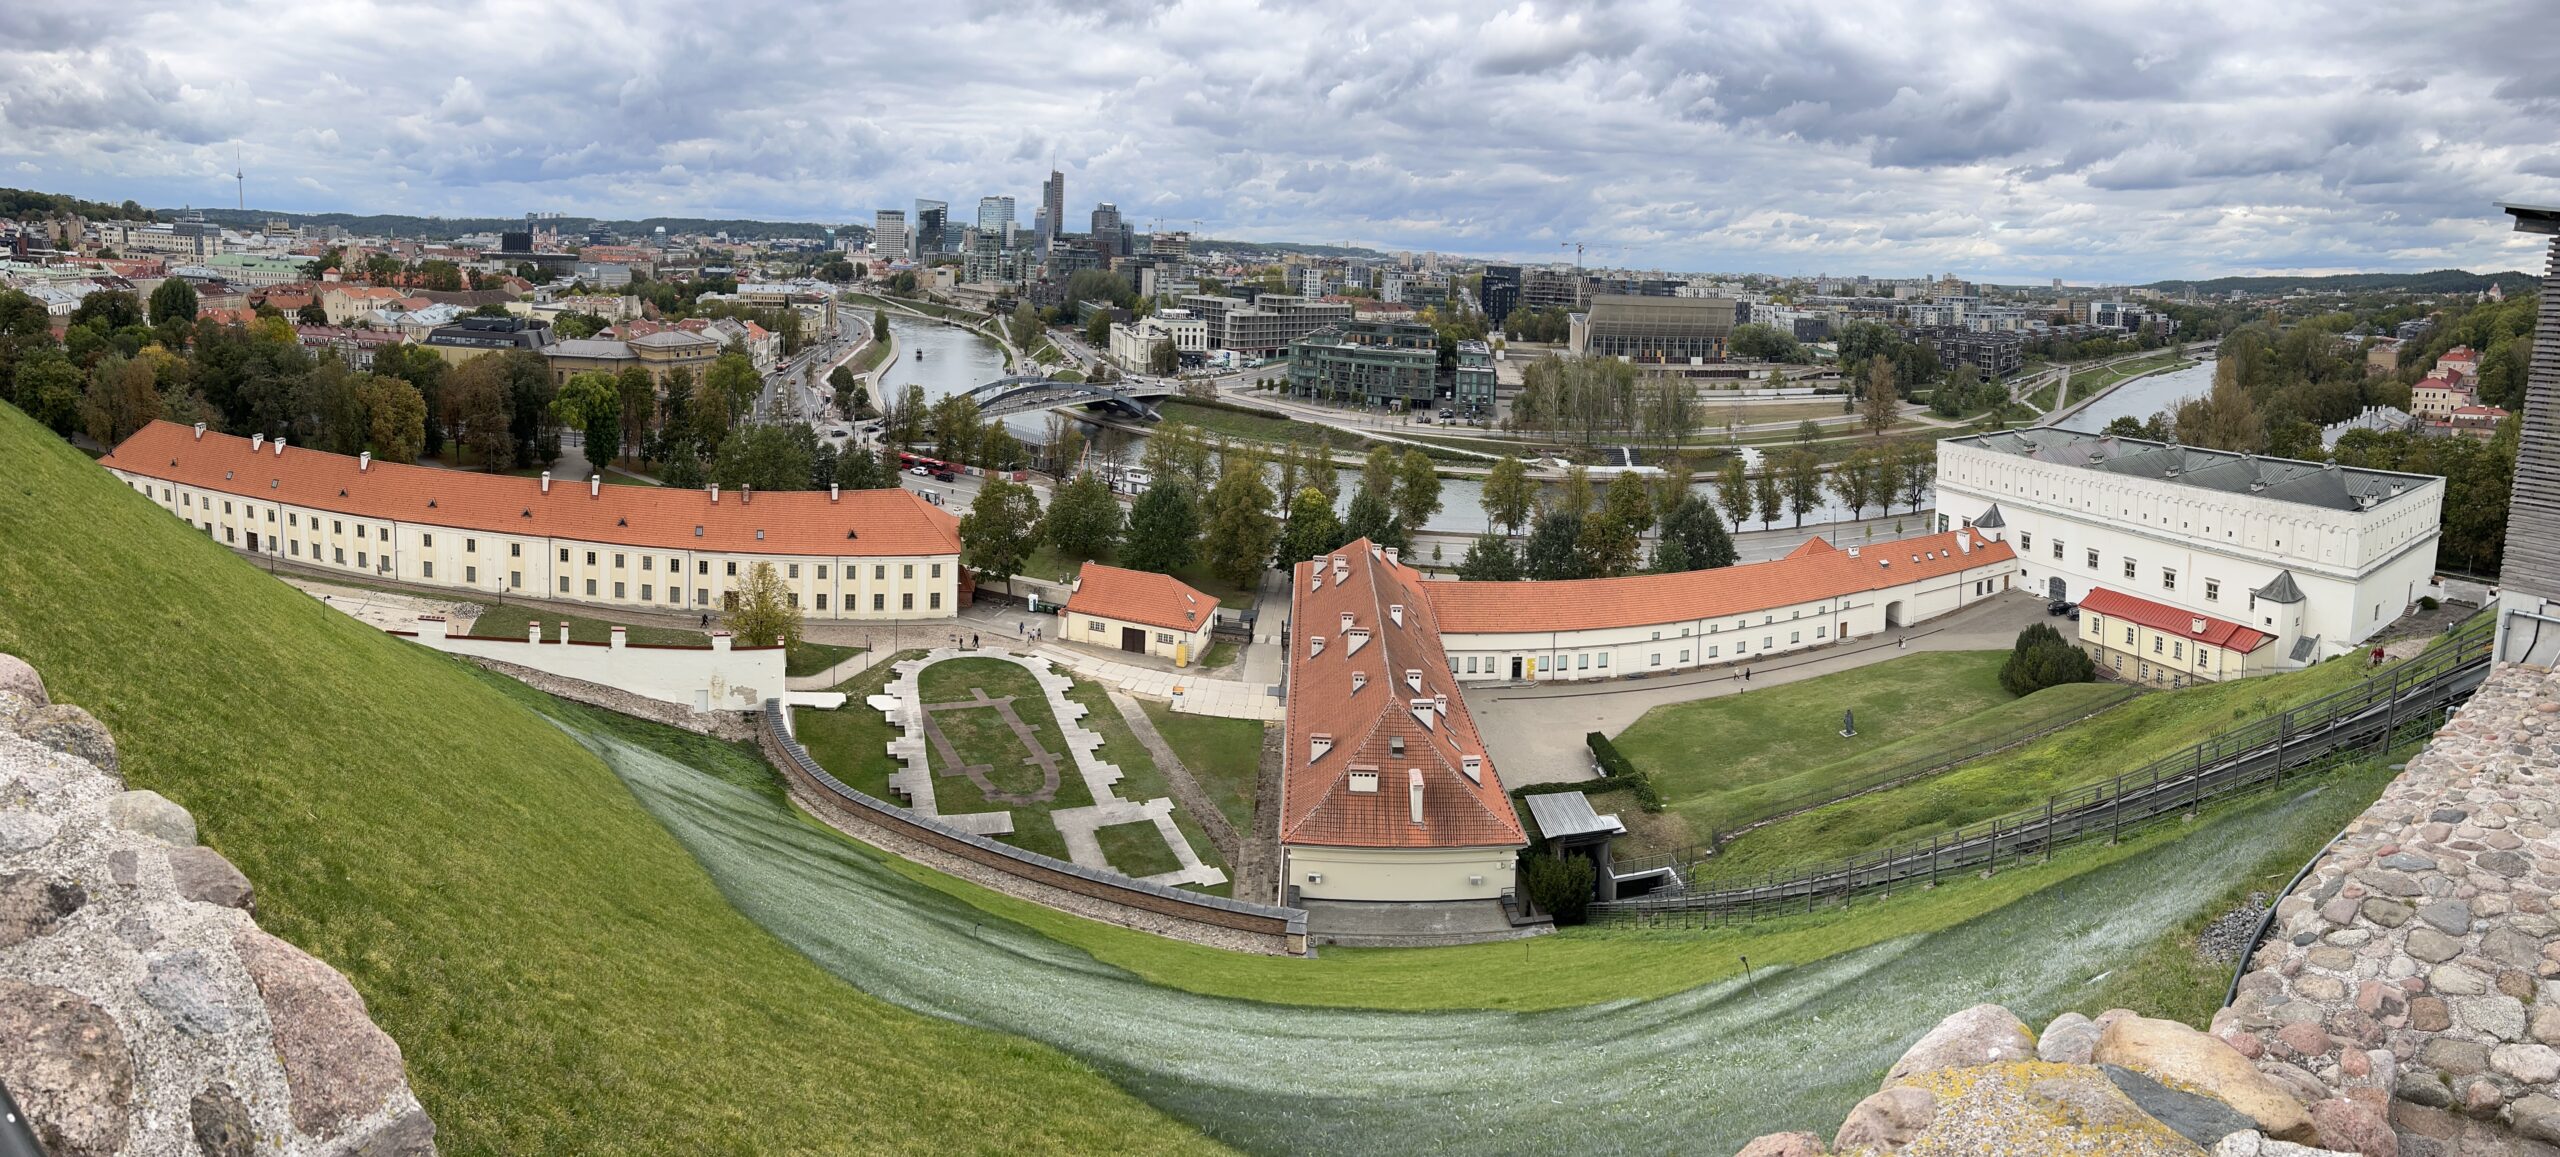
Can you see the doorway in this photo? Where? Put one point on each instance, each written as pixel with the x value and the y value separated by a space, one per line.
pixel 2059 589
pixel 253 542
pixel 1515 668
pixel 1893 614
pixel 1133 639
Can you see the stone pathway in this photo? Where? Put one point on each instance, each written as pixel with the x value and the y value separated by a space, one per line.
pixel 1188 691
pixel 834 677
pixel 902 703
pixel 2416 968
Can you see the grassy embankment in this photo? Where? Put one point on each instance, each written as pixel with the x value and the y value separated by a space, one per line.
pixel 2158 724
pixel 1225 755
pixel 1732 760
pixel 2084 385
pixel 561 975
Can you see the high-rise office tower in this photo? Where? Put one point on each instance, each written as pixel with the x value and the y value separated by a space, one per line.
pixel 889 233
pixel 1111 235
pixel 995 218
pixel 1053 207
pixel 932 220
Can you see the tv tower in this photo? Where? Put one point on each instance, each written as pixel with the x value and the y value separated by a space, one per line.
pixel 239 175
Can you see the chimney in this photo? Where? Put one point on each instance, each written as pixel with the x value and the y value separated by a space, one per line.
pixel 746 494
pixel 564 632
pixel 257 441
pixel 279 446
pixel 715 494
pixel 1413 791
pixel 833 492
pixel 595 485
pixel 1393 553
pixel 1964 544
pixel 199 431
pixel 621 635
pixel 364 462
pixel 546 482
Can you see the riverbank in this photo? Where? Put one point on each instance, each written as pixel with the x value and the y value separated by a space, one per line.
pixel 2074 403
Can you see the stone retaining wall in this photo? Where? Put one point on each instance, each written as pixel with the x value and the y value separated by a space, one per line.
pixel 2416 969
pixel 732 725
pixel 142 1010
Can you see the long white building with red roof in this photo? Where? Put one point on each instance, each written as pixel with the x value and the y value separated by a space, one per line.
pixel 864 554
pixel 1650 624
pixel 1387 792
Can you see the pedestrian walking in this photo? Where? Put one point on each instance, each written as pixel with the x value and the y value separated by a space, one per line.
pixel 1902 642
pixel 973 640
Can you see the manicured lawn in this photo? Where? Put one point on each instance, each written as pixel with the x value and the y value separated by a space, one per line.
pixel 980 736
pixel 1221 655
pixel 1237 424
pixel 509 620
pixel 852 741
pixel 1136 849
pixel 561 975
pixel 2043 398
pixel 807 658
pixel 2157 724
pixel 1225 755
pixel 1734 759
pixel 1142 780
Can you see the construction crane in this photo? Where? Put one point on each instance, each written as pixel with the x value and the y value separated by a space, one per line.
pixel 1577 253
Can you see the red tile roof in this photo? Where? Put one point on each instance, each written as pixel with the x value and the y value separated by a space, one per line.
pixel 863 523
pixel 2171 620
pixel 1369 724
pixel 1815 570
pixel 1137 596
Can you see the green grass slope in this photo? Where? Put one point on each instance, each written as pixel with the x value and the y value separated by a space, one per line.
pixel 561 975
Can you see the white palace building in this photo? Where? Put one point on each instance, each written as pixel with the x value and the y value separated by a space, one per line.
pixel 2195 565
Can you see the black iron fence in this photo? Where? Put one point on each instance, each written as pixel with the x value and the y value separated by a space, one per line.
pixel 2402 703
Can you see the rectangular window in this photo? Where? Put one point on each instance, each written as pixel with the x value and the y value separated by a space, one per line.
pixel 617 591
pixel 1822 632
pixel 515 579
pixel 793 597
pixel 822 572
pixel 906 602
pixel 675 566
pixel 515 550
pixel 2093 560
pixel 470 546
pixel 2128 636
pixel 426 570
pixel 337 527
pixel 701 595
pixel 2213 590
pixel 2026 541
pixel 591 558
pixel 937 570
pixel 1583 665
pixel 647 591
pixel 648 562
pixel 471 574
pixel 1684 656
pixel 1768 641
pixel 732 566
pixel 426 540
pixel 564 584
pixel 2057 550
pixel 297 548
pixel 822 602
pixel 909 571
pixel 1604 660
pixel 1164 636
pixel 1795 637
pixel 936 604
pixel 1657 660
pixel 880 572
pixel 2168 579
pixel 702 567
pixel 2156 642
pixel 791 570
pixel 2128 568
pixel 564 554
pixel 591 588
pixel 359 530
pixel 879 602
pixel 2178 650
pixel 362 561
pixel 228 535
pixel 617 561
pixel 293 520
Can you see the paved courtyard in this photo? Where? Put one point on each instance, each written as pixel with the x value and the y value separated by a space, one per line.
pixel 901 701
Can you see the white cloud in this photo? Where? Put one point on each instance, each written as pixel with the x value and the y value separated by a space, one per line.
pixel 2012 139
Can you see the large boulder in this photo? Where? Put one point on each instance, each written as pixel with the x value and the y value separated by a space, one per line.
pixel 1982 1035
pixel 1887 1120
pixel 2069 1040
pixel 1783 1145
pixel 68 1067
pixel 70 730
pixel 203 874
pixel 151 814
pixel 2350 1127
pixel 18 678
pixel 2174 1053
pixel 337 1064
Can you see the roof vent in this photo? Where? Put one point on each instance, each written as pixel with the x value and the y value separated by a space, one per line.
pixel 622 522
pixel 759 534
pixel 279 447
pixel 697 530
pixel 1317 745
pixel 595 485
pixel 364 462
pixel 746 494
pixel 1395 745
pixel 528 512
pixel 1473 767
pixel 715 494
pixel 226 476
pixel 342 493
pixel 1853 552
pixel 1346 620
pixel 848 533
pixel 546 482
pixel 833 492
pixel 2195 626
pixel 199 436
pixel 1359 679
pixel 1413 791
pixel 1413 679
pixel 1422 714
pixel 1315 645
pixel 257 441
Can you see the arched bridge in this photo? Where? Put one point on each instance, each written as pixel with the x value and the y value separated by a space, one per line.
pixel 1021 395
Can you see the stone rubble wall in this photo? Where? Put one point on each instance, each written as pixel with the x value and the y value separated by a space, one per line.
pixel 142 1009
pixel 2417 966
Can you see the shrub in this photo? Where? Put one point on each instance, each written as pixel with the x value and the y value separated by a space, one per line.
pixel 2043 658
pixel 1622 772
pixel 2428 602
pixel 1559 887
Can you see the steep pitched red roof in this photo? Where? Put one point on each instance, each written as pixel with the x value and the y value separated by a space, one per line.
pixel 2171 620
pixel 863 523
pixel 1368 724
pixel 1815 570
pixel 1137 596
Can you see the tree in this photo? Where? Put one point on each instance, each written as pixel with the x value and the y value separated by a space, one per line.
pixel 1162 359
pixel 710 411
pixel 767 458
pixel 1555 547
pixel 1574 495
pixel 395 417
pixel 956 425
pixel 1918 463
pixel 592 402
pixel 1313 529
pixel 1370 517
pixel 174 301
pixel 123 396
pixel 2224 419
pixel 880 326
pixel 764 616
pixel 1490 559
pixel 1762 342
pixel 1560 886
pixel 1164 529
pixel 1765 492
pixel 735 374
pixel 476 399
pixel 1084 519
pixel 1693 538
pixel 1097 331
pixel 1850 479
pixel 1001 529
pixel 1880 404
pixel 1802 480
pixel 2042 658
pixel 48 387
pixel 1733 491
pixel 1808 431
pixel 110 310
pixel 638 394
pixel 1508 495
pixel 1417 493
pixel 1024 328
pixel 1241 530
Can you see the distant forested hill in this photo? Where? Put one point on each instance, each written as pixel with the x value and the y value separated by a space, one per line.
pixel 435 228
pixel 2435 281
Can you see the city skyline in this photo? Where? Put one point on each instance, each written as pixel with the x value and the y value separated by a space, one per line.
pixel 2007 143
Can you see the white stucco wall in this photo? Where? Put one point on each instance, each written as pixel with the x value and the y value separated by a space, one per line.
pixel 717 678
pixel 1399 874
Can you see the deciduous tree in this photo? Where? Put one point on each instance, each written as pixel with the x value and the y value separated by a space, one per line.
pixel 1084 519
pixel 1491 558
pixel 395 416
pixel 1241 529
pixel 764 616
pixel 1733 491
pixel 1509 495
pixel 1312 530
pixel 1417 493
pixel 1001 529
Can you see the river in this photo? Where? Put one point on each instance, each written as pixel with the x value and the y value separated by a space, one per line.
pixel 2143 397
pixel 957 360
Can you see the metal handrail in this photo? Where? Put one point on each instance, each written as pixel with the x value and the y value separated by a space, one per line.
pixel 2241 759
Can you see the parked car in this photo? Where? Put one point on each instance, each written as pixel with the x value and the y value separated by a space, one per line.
pixel 1445 415
pixel 945 476
pixel 2059 607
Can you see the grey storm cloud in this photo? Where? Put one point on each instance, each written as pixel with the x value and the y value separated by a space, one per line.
pixel 2010 139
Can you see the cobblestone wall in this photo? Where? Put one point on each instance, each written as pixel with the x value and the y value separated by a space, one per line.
pixel 142 1010
pixel 2416 969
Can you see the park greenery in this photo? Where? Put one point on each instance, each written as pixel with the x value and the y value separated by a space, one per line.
pixel 2043 658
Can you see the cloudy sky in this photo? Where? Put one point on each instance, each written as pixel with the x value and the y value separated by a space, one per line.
pixel 2089 141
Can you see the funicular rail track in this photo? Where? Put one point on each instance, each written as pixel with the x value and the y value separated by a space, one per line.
pixel 2411 697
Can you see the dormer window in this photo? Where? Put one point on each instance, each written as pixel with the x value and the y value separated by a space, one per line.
pixel 1359 679
pixel 1315 645
pixel 1317 745
pixel 1365 781
pixel 1354 639
pixel 1395 745
pixel 1396 613
pixel 1346 620
pixel 1413 679
pixel 1422 713
pixel 1473 767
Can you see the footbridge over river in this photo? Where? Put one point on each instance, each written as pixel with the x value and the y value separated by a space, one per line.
pixel 1027 393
